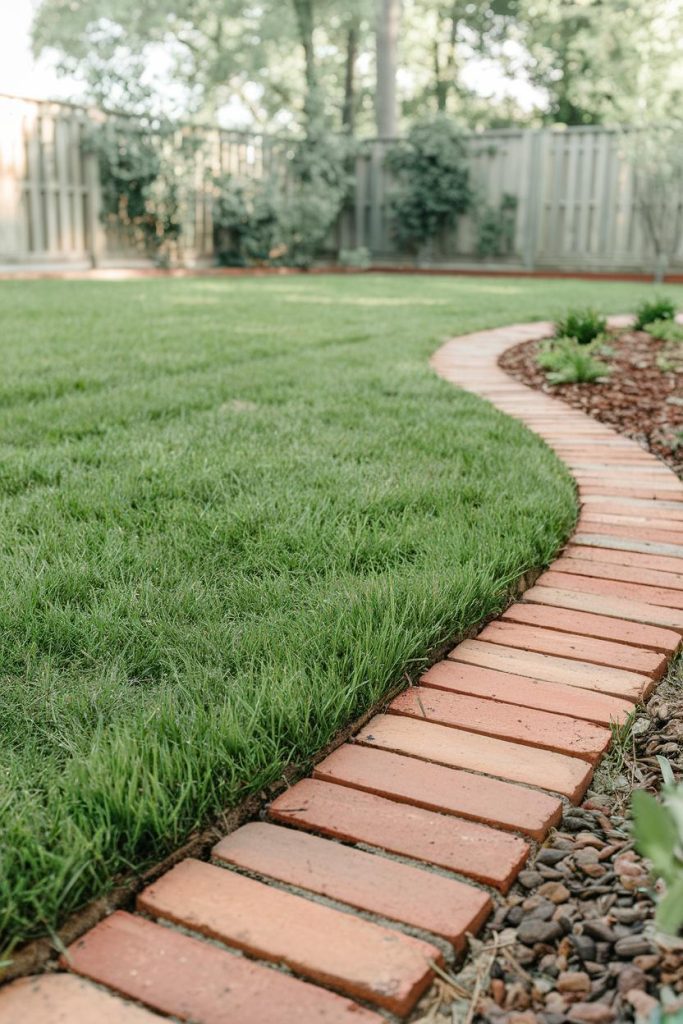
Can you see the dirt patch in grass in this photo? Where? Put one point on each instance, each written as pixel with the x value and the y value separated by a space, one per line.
pixel 642 397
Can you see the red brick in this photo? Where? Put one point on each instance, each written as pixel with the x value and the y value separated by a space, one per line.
pixel 506 721
pixel 664 596
pixel 623 573
pixel 613 681
pixel 397 891
pixel 359 958
pixel 458 677
pixel 631 531
pixel 590 516
pixel 616 607
pixel 459 749
pixel 63 999
pixel 650 511
pixel 196 981
pixel 646 491
pixel 565 620
pixel 447 790
pixel 635 559
pixel 477 851
pixel 575 647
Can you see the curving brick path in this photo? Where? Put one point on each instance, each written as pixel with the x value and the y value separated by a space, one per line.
pixel 436 803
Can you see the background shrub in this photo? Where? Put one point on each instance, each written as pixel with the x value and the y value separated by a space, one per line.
pixel 433 182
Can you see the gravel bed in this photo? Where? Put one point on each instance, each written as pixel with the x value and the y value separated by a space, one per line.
pixel 575 940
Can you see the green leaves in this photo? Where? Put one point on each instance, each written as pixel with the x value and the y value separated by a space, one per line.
pixel 658 829
pixel 567 362
pixel 434 184
pixel 656 834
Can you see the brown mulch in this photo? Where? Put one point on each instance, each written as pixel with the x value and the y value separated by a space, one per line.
pixel 642 397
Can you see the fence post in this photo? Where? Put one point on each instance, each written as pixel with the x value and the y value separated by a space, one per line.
pixel 532 197
pixel 94 209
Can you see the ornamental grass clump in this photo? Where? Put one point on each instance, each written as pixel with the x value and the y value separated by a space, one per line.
pixel 651 310
pixel 584 325
pixel 665 330
pixel 565 361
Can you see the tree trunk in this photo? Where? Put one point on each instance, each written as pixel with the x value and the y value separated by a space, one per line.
pixel 349 108
pixel 388 24
pixel 303 9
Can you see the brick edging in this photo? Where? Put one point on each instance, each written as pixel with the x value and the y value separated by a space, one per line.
pixel 364 875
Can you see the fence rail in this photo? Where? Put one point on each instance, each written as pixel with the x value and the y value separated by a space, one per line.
pixel 573 208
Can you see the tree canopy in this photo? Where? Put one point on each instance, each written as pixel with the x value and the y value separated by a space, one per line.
pixel 270 64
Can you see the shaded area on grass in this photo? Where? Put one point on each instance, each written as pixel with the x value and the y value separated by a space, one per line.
pixel 233 514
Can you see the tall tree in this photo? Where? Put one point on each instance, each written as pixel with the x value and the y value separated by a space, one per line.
pixel 387 33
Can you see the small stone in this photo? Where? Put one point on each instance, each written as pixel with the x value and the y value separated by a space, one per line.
pixel 529 879
pixel 644 1004
pixel 593 968
pixel 584 839
pixel 526 1017
pixel 586 855
pixel 550 856
pixel 594 870
pixel 628 915
pixel 647 962
pixel 497 990
pixel 632 945
pixel 630 977
pixel 514 916
pixel 600 931
pixel 533 930
pixel 640 726
pixel 555 1003
pixel 543 911
pixel 573 981
pixel 584 946
pixel 556 892
pixel 591 1013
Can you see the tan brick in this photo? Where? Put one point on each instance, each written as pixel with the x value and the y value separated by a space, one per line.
pixel 575 647
pixel 196 981
pixel 613 681
pixel 470 849
pixel 506 721
pixel 459 749
pixel 438 788
pixel 357 957
pixel 566 620
pixel 400 892
pixel 64 999
pixel 532 693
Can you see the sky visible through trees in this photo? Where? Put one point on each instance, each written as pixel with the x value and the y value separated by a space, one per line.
pixel 373 65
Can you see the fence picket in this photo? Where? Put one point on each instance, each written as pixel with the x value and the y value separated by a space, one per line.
pixel 574 188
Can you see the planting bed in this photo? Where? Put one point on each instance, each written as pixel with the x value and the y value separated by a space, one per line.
pixel 642 397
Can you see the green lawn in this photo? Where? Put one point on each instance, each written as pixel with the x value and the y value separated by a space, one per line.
pixel 234 511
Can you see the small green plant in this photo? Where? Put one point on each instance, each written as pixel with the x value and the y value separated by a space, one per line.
pixel 496 227
pixel 658 830
pixel 665 330
pixel 585 325
pixel 659 308
pixel 355 259
pixel 568 362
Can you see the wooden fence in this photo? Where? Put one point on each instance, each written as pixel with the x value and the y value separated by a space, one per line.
pixel 573 205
